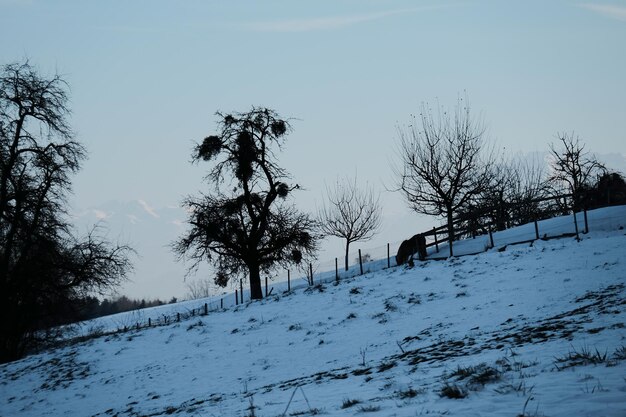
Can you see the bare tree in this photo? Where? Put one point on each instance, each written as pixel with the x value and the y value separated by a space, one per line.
pixel 44 268
pixel 199 289
pixel 441 163
pixel 511 194
pixel 573 168
pixel 350 213
pixel 529 187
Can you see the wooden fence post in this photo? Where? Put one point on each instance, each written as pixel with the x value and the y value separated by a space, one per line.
pixel 206 309
pixel 536 229
pixel 149 322
pixel 360 262
pixel 288 281
pixel 576 225
pixel 241 290
pixel 221 303
pixel 436 241
pixel 236 298
pixel 336 270
pixel 473 221
pixel 586 222
pixel 311 273
pixel 266 286
pixel 177 316
pixel 491 237
pixel 388 260
pixel 450 241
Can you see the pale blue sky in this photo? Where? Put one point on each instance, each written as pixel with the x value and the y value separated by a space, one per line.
pixel 147 76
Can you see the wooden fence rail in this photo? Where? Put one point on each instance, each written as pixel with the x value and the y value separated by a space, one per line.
pixel 479 222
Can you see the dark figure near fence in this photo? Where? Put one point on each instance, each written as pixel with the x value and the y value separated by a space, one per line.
pixel 410 247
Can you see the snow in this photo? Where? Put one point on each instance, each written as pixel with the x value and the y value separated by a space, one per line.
pixel 390 339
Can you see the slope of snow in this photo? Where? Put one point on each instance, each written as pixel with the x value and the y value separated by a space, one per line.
pixel 600 220
pixel 535 329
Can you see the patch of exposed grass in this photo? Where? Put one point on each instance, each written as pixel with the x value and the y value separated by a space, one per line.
pixel 520 388
pixel 386 366
pixel 368 408
pixel 620 353
pixel 464 372
pixel 481 374
pixel 311 412
pixel 408 393
pixel 581 357
pixel 381 317
pixel 192 326
pixel 315 288
pixel 347 403
pixel 363 371
pixel 524 413
pixel 507 365
pixel 414 299
pixel 595 388
pixel 390 306
pixel 485 375
pixel 453 391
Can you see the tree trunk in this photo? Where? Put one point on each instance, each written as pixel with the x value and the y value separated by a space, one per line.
pixel 450 229
pixel 501 220
pixel 256 293
pixel 347 247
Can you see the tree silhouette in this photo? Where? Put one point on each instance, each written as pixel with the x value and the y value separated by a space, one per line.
pixel 246 225
pixel 44 267
pixel 350 213
pixel 573 168
pixel 441 167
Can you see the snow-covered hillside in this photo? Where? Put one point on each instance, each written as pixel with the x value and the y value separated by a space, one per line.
pixel 536 329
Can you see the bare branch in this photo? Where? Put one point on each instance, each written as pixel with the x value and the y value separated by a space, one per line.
pixel 573 168
pixel 442 164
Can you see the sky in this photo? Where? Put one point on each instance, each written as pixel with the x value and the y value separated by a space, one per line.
pixel 147 77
